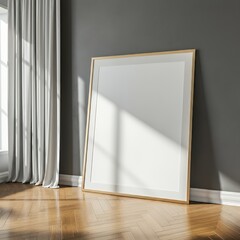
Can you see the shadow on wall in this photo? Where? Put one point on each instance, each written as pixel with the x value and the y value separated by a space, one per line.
pixel 207 171
pixel 67 159
pixel 203 164
pixel 74 96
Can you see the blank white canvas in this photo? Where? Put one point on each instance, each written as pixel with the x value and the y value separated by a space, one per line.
pixel 139 123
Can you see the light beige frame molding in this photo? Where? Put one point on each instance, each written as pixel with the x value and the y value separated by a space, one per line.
pixel 84 188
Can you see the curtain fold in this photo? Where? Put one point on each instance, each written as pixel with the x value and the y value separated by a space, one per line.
pixel 34 91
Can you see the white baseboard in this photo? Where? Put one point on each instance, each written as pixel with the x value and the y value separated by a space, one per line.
pixel 70 180
pixel 3 176
pixel 196 194
pixel 214 196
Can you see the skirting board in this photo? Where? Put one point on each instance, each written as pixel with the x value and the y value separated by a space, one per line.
pixel 70 180
pixel 3 176
pixel 214 196
pixel 196 194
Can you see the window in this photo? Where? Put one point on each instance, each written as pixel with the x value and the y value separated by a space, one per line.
pixel 3 80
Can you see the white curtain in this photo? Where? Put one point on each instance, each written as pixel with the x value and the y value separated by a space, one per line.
pixel 34 91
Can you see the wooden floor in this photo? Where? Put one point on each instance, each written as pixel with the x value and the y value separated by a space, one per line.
pixel 29 212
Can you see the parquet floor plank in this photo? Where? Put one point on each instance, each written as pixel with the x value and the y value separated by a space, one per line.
pixel 32 212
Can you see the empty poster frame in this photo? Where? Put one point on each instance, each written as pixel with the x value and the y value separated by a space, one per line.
pixel 139 125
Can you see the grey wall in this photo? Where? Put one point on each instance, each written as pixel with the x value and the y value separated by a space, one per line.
pixel 3 3
pixel 110 27
pixel 3 162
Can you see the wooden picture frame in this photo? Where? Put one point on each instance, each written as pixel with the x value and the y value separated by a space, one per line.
pixel 139 125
